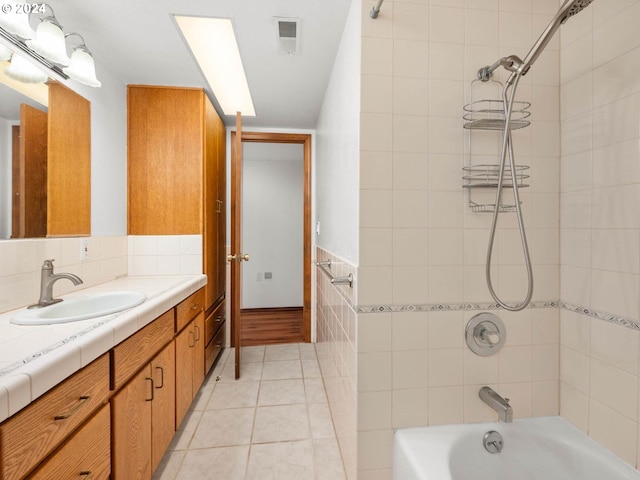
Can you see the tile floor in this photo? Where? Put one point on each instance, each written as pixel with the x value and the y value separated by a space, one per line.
pixel 273 423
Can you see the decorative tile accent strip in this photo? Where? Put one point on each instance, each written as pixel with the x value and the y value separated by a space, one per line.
pixel 445 307
pixel 607 317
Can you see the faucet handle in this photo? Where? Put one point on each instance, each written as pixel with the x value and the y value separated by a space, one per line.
pixel 48 263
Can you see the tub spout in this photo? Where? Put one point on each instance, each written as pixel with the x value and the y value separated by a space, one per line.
pixel 499 404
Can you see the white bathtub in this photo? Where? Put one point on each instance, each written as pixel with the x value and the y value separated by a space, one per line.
pixel 546 448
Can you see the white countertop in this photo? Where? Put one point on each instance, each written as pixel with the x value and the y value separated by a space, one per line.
pixel 33 359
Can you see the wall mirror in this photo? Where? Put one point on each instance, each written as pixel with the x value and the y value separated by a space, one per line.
pixel 45 163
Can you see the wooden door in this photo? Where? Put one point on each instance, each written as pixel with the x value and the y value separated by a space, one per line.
pixel 33 166
pixel 131 451
pixel 163 407
pixel 16 194
pixel 236 256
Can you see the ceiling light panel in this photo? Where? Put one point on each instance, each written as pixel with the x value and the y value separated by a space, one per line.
pixel 212 42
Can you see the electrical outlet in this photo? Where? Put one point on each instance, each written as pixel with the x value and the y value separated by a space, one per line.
pixel 268 275
pixel 84 249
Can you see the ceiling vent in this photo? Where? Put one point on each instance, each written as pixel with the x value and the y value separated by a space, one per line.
pixel 287 35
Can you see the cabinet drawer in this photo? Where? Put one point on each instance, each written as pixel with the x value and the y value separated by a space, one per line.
pixel 87 455
pixel 130 355
pixel 189 308
pixel 31 434
pixel 214 347
pixel 213 322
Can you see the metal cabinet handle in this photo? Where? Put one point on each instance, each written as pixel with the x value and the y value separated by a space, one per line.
pixel 192 335
pixel 74 410
pixel 197 327
pixel 161 377
pixel 195 306
pixel 152 390
pixel 86 475
pixel 219 318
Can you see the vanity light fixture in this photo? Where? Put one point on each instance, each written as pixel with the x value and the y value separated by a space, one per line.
pixel 15 18
pixel 22 70
pixel 48 45
pixel 50 41
pixel 82 67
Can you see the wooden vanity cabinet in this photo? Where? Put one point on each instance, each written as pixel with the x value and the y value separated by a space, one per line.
pixel 214 336
pixel 176 157
pixel 189 365
pixel 33 433
pixel 143 416
pixel 86 455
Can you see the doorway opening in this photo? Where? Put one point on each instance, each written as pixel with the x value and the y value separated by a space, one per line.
pixel 276 232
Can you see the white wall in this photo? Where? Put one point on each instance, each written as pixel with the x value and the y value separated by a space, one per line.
pixel 5 179
pixel 337 148
pixel 272 225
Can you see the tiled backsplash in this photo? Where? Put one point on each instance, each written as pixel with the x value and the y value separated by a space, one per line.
pixel 108 258
pixel 21 260
pixel 165 254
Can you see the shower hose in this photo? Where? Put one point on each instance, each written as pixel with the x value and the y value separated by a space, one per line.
pixel 507 148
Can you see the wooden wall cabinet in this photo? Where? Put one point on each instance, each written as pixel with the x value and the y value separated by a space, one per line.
pixel 176 172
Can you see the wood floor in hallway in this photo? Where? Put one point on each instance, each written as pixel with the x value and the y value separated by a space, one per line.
pixel 273 423
pixel 269 326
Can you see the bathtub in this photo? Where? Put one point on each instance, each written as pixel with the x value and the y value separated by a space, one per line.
pixel 546 448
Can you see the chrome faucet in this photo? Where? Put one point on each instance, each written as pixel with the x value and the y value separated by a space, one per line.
pixel 47 279
pixel 499 404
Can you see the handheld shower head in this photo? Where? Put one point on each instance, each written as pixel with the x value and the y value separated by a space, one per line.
pixel 568 9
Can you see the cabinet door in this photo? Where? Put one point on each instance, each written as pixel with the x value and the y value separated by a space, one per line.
pixel 198 354
pixel 185 343
pixel 86 455
pixel 131 429
pixel 163 407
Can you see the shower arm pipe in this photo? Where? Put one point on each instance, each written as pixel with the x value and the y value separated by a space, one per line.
pixel 507 147
pixel 376 10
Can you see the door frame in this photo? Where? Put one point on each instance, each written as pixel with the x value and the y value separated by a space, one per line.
pixel 303 139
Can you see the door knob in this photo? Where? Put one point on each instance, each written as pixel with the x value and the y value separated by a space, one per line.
pixel 238 257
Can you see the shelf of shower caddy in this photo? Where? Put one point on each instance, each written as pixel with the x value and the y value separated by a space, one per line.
pixel 490 207
pixel 486 176
pixel 489 115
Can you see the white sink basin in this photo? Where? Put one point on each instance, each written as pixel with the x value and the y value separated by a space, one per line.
pixel 80 307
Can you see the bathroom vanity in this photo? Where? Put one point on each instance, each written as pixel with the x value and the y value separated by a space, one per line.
pixel 103 397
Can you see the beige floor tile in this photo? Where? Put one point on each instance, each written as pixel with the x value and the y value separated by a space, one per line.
pixel 228 463
pixel 249 372
pixel 310 368
pixel 282 370
pixel 185 431
pixel 234 395
pixel 320 421
pixel 280 424
pixel 222 428
pixel 281 392
pixel 169 466
pixel 281 461
pixel 252 354
pixel 314 388
pixel 274 353
pixel 307 350
pixel 328 459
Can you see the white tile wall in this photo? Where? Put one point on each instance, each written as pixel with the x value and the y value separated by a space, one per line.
pixel 600 225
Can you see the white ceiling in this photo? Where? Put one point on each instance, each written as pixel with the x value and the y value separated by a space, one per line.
pixel 138 42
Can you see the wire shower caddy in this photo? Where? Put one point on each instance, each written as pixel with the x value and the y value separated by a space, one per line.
pixel 488 114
